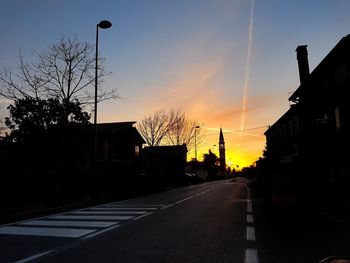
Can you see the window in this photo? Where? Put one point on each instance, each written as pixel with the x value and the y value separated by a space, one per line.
pixel 337 117
pixel 296 124
pixel 137 151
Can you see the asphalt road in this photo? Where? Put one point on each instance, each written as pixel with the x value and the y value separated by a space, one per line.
pixel 220 221
pixel 200 223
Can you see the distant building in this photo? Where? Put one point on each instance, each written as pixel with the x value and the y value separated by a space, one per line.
pixel 308 147
pixel 117 142
pixel 222 153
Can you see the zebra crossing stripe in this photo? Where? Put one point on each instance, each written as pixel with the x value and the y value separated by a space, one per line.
pixel 90 217
pixel 87 222
pixel 43 231
pixel 109 213
pixel 122 208
pixel 69 223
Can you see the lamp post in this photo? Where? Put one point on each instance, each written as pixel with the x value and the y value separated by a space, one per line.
pixel 214 148
pixel 104 24
pixel 195 141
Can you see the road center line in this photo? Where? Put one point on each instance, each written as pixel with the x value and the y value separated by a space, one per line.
pixel 249 206
pixel 251 256
pixel 250 219
pixel 180 201
pixel 33 257
pixel 99 232
pixel 164 207
pixel 139 217
pixel 251 233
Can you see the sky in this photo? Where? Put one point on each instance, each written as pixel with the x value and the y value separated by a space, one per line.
pixel 189 55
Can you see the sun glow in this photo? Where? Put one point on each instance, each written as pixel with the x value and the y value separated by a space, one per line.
pixel 241 150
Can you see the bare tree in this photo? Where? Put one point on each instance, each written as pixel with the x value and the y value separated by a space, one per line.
pixel 64 71
pixel 2 126
pixel 154 127
pixel 184 131
pixel 169 128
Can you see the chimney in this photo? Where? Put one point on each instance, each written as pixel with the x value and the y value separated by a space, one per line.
pixel 303 62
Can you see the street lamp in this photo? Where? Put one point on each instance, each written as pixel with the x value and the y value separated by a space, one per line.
pixel 214 148
pixel 104 24
pixel 195 141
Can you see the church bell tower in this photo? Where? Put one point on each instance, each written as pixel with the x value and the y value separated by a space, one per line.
pixel 222 153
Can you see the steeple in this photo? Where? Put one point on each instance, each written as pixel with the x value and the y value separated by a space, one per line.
pixel 221 137
pixel 222 150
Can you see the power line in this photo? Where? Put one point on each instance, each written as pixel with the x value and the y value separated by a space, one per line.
pixel 254 128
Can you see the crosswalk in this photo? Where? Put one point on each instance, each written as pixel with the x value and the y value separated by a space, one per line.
pixel 80 223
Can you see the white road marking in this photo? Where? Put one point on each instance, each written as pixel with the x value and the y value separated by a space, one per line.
pixel 207 190
pixel 33 257
pixel 251 233
pixel 68 223
pixel 139 217
pixel 122 208
pixel 115 205
pixel 43 231
pixel 99 232
pixel 251 256
pixel 250 219
pixel 164 207
pixel 109 213
pixel 183 200
pixel 249 206
pixel 91 217
pixel 333 217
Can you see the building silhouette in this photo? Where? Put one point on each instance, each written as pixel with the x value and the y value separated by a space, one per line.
pixel 166 162
pixel 222 154
pixel 308 146
pixel 118 144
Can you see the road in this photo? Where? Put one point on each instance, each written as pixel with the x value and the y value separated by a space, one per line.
pixel 212 222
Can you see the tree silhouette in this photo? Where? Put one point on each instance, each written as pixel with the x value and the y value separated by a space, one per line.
pixel 184 131
pixel 156 126
pixel 2 126
pixel 30 116
pixel 64 72
pixel 211 162
pixel 169 128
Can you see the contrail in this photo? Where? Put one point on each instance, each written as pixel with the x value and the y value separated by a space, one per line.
pixel 236 132
pixel 247 69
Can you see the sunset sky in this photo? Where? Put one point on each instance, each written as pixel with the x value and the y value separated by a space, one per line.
pixel 189 55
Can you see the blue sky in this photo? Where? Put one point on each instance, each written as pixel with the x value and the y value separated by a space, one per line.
pixel 187 54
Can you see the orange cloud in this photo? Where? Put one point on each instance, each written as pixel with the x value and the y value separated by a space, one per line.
pixel 195 90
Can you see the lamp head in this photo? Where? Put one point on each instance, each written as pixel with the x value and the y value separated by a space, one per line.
pixel 104 24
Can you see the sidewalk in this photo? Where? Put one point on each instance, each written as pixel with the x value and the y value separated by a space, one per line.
pixel 298 235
